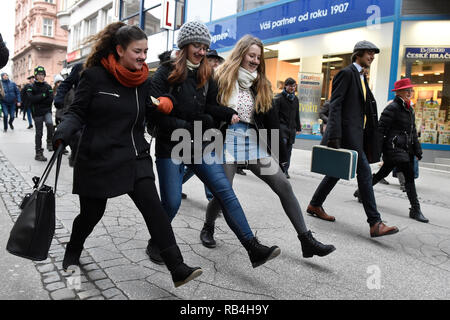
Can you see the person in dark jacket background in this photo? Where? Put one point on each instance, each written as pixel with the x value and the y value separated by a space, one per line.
pixel 288 108
pixel 26 104
pixel 40 96
pixel 63 99
pixel 323 115
pixel 4 53
pixel 400 143
pixel 111 103
pixel 9 101
pixel 353 124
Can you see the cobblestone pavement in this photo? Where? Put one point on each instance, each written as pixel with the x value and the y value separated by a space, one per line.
pixel 414 264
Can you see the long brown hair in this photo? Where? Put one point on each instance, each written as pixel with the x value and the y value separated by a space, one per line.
pixel 227 75
pixel 117 33
pixel 179 73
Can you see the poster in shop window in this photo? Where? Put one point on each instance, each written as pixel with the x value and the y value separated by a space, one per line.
pixel 309 97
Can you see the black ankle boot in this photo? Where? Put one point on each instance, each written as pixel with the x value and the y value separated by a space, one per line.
pixel 154 253
pixel 207 236
pixel 71 256
pixel 356 195
pixel 311 246
pixel 414 212
pixel 258 253
pixel 181 272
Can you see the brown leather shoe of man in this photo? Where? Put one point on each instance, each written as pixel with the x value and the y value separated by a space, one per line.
pixel 379 229
pixel 319 212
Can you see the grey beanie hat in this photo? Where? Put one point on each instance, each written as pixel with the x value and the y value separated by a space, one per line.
pixel 366 45
pixel 193 31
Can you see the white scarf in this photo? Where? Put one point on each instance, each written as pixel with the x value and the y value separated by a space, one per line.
pixel 245 81
pixel 191 66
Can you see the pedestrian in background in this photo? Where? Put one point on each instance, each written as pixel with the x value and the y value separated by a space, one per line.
pixel 40 96
pixel 4 53
pixel 353 124
pixel 9 101
pixel 193 93
pixel 26 104
pixel 111 103
pixel 63 99
pixel 400 143
pixel 243 87
pixel 288 110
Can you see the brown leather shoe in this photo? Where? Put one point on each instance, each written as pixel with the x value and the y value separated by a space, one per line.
pixel 379 229
pixel 319 212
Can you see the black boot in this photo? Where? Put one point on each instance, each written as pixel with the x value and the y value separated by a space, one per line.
pixel 356 195
pixel 71 256
pixel 258 253
pixel 207 236
pixel 154 253
pixel 414 211
pixel 49 146
pixel 311 246
pixel 40 155
pixel 181 272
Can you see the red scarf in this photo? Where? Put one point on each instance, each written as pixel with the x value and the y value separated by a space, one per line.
pixel 130 79
pixel 408 103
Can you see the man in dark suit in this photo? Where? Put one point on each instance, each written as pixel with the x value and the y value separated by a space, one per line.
pixel 352 124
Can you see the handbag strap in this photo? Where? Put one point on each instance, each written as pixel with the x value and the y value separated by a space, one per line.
pixel 57 156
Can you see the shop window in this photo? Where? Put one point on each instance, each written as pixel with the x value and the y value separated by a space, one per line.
pixel 199 10
pixel 420 7
pixel 222 8
pixel 244 5
pixel 331 65
pixel 129 8
pixel 153 20
pixel 431 78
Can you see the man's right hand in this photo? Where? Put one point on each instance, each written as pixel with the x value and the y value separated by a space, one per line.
pixel 334 143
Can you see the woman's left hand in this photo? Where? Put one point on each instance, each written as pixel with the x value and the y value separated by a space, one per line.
pixel 235 119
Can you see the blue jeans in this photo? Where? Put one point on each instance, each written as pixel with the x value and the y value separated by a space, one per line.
pixel 171 174
pixel 28 112
pixel 8 109
pixel 188 173
pixel 364 177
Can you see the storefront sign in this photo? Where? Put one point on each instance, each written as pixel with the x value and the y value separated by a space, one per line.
pixel 298 17
pixel 309 94
pixel 74 55
pixel 428 53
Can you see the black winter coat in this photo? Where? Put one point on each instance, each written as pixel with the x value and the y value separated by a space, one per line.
pixel 112 151
pixel 397 125
pixel 346 115
pixel 289 117
pixel 4 53
pixel 190 104
pixel 40 97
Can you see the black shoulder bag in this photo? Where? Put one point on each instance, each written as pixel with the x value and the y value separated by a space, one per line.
pixel 32 233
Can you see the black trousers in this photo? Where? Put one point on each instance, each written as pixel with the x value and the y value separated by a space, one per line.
pixel 407 168
pixel 364 177
pixel 145 197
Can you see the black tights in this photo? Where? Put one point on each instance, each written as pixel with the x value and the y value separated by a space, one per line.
pixel 147 201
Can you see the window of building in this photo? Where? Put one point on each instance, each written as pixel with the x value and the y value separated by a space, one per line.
pixel 47 27
pixel 76 36
pixel 129 8
pixel 222 9
pixel 199 10
pixel 30 65
pixel 153 20
pixel 107 17
pixel 244 5
pixel 49 1
pixel 429 71
pixel 90 26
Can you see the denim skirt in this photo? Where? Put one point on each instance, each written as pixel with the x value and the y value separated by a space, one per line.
pixel 241 144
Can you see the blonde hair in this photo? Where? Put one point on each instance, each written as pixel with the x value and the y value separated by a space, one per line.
pixel 226 75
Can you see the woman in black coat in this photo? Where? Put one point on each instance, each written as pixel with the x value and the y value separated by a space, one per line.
pixel 110 104
pixel 400 143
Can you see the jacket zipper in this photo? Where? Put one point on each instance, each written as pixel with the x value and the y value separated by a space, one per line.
pixel 111 94
pixel 135 121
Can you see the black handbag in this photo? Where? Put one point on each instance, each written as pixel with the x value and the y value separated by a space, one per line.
pixel 32 233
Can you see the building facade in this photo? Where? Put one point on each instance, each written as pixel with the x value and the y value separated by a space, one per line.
pixel 82 19
pixel 38 39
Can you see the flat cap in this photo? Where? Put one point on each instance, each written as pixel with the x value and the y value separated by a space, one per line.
pixel 366 45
